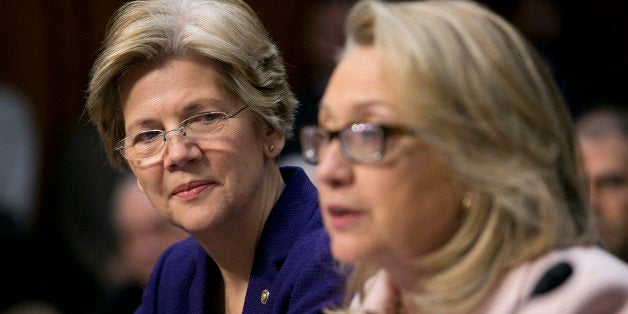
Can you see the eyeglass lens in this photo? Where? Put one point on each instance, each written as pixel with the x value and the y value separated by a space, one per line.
pixel 145 146
pixel 360 142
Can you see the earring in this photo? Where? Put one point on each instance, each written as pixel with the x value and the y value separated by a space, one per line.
pixel 467 201
pixel 271 148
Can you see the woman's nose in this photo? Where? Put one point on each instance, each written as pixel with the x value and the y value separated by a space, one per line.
pixel 180 150
pixel 333 168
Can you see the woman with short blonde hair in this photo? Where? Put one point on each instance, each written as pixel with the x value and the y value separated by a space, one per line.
pixel 192 97
pixel 226 32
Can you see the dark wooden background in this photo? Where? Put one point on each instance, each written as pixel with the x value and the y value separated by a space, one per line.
pixel 47 47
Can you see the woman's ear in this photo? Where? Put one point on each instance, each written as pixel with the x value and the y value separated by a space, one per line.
pixel 274 142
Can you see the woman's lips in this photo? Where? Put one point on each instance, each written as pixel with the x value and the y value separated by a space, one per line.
pixel 190 190
pixel 342 218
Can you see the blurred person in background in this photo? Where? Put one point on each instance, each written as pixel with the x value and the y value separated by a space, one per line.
pixel 19 157
pixel 142 236
pixel 20 269
pixel 603 137
pixel 19 175
pixel 192 97
pixel 448 172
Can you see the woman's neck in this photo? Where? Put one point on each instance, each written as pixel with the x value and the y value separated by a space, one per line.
pixel 232 247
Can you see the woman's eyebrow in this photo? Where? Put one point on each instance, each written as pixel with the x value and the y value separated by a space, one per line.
pixel 142 123
pixel 211 104
pixel 360 110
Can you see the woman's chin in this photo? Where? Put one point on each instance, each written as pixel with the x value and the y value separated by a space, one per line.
pixel 347 250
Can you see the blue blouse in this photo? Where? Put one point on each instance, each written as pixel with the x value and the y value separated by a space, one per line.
pixel 293 271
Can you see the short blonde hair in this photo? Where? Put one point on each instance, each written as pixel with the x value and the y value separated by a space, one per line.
pixel 226 32
pixel 483 99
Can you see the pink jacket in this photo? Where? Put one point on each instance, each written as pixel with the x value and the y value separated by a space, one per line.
pixel 594 282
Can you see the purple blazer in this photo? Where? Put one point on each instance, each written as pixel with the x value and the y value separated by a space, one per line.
pixel 293 271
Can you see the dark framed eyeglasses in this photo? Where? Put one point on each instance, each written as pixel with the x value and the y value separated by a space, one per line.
pixel 146 146
pixel 359 142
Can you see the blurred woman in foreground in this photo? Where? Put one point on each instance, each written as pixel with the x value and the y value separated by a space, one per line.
pixel 447 170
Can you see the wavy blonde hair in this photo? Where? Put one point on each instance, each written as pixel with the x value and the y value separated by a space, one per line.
pixel 225 32
pixel 480 95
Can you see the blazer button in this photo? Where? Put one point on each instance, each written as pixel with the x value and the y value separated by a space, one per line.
pixel 264 297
